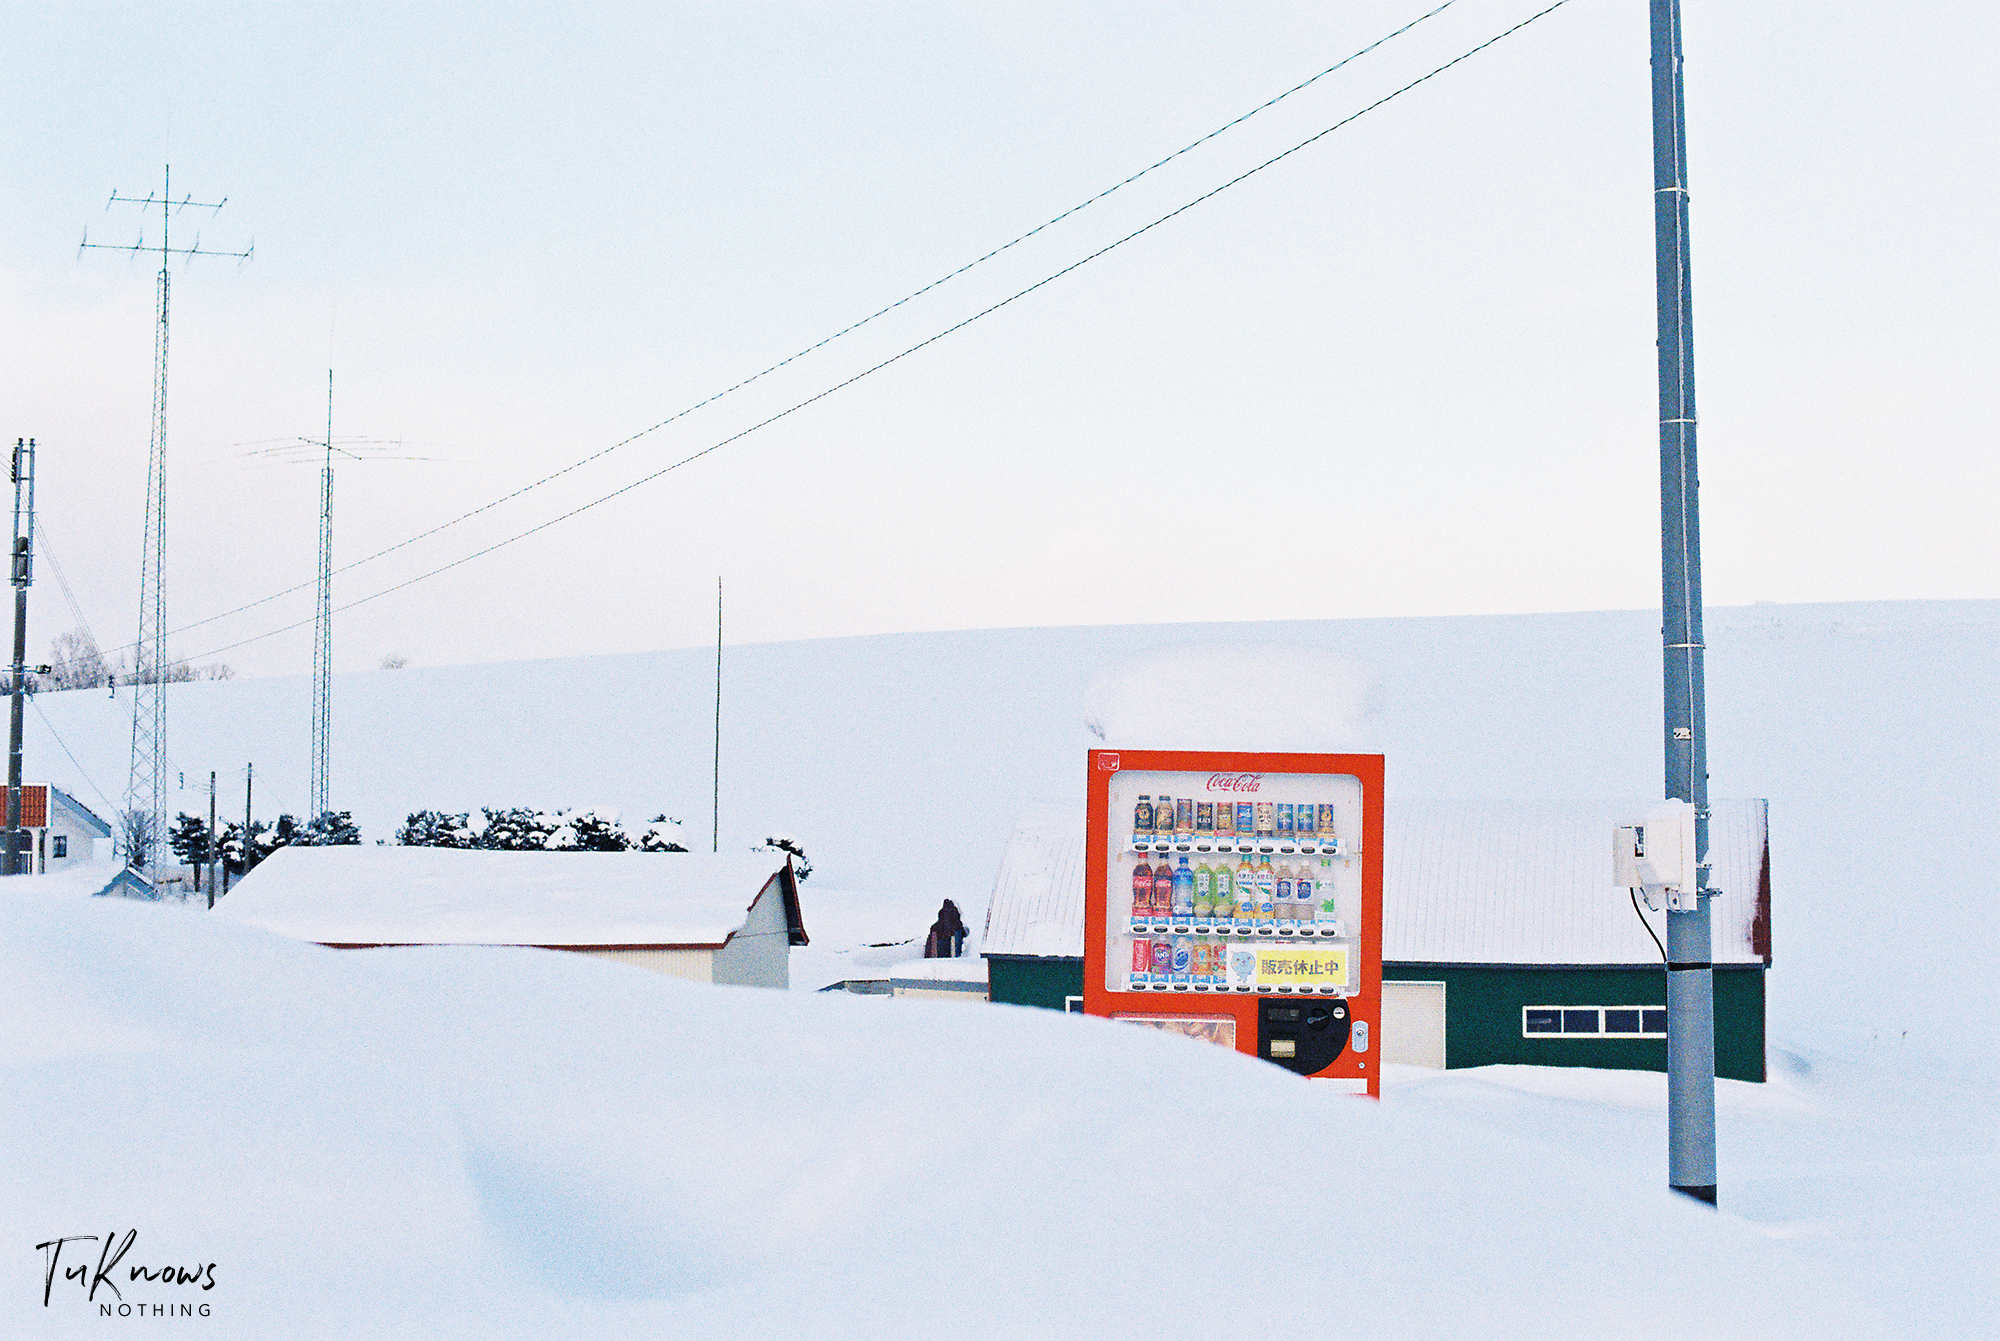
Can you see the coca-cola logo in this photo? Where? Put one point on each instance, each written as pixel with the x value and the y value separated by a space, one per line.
pixel 1235 782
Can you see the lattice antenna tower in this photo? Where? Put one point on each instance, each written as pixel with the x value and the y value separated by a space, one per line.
pixel 144 831
pixel 323 625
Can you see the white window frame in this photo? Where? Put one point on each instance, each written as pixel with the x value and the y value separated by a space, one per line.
pixel 1600 1036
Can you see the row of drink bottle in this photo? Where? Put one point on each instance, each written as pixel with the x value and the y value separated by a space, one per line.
pixel 1254 898
pixel 1184 818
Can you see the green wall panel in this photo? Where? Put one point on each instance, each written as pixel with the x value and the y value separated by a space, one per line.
pixel 1035 982
pixel 1483 1016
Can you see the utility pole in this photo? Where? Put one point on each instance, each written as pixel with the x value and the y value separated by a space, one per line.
pixel 323 626
pixel 210 854
pixel 146 784
pixel 715 799
pixel 23 575
pixel 1690 975
pixel 249 776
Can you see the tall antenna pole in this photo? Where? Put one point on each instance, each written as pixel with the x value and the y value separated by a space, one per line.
pixel 23 575
pixel 144 829
pixel 1690 977
pixel 323 625
pixel 715 800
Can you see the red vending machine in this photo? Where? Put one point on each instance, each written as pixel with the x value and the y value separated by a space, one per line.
pixel 1238 898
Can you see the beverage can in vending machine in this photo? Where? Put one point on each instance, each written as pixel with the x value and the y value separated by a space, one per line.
pixel 1327 833
pixel 1184 817
pixel 1225 820
pixel 1142 820
pixel 1266 819
pixel 1142 962
pixel 1284 822
pixel 1183 959
pixel 1246 822
pixel 1163 961
pixel 1198 963
pixel 1204 818
pixel 1142 893
pixel 1308 825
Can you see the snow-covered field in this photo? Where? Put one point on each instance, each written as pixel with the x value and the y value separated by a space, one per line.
pixel 465 1142
pixel 520 1143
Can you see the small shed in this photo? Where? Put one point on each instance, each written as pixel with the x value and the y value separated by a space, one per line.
pixel 706 918
pixel 1503 937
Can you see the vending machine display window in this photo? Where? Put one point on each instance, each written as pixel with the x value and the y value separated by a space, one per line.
pixel 1217 881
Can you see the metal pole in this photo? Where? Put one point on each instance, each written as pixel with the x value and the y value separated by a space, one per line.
pixel 249 776
pixel 1690 976
pixel 210 854
pixel 715 799
pixel 23 574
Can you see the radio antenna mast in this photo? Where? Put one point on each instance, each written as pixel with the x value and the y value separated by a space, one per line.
pixel 143 830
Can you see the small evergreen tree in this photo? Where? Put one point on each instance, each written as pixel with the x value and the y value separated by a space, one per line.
pixel 513 830
pixel 233 853
pixel 659 836
pixel 189 839
pixel 335 828
pixel 590 831
pixel 434 828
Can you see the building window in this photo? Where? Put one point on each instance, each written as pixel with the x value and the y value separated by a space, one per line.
pixel 59 845
pixel 1594 1021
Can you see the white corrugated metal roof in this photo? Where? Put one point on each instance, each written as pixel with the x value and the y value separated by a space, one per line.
pixel 444 896
pixel 1529 882
pixel 1470 882
pixel 1037 906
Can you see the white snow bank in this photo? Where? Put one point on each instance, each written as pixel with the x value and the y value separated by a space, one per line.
pixel 965 968
pixel 1236 696
pixel 486 1142
pixel 447 896
pixel 77 878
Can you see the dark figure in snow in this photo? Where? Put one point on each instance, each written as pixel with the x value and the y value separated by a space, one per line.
pixel 947 939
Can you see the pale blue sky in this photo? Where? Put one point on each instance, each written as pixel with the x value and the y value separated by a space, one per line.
pixel 1409 371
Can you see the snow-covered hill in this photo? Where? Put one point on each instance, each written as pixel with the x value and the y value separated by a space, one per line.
pixel 901 761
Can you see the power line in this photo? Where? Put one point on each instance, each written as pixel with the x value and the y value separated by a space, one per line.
pixel 920 345
pixel 846 330
pixel 109 804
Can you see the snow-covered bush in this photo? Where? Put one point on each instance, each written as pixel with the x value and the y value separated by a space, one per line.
pixel 801 864
pixel 434 828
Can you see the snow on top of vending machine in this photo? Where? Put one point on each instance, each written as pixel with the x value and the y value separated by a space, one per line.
pixel 1278 697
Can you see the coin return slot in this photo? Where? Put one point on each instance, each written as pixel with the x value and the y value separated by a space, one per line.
pixel 1284 1047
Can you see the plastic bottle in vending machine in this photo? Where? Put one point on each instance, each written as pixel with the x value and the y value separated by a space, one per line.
pixel 1198 963
pixel 1181 896
pixel 1303 898
pixel 1287 913
pixel 1204 895
pixel 1163 891
pixel 1142 963
pixel 1246 895
pixel 1183 959
pixel 1225 894
pixel 1326 914
pixel 1142 820
pixel 1142 893
pixel 1267 897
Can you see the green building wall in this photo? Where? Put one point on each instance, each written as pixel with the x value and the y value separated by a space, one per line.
pixel 1483 1010
pixel 1483 1004
pixel 1034 982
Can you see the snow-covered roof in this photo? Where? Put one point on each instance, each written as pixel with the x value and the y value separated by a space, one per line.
pixel 446 896
pixel 1037 905
pixel 1467 882
pixel 965 968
